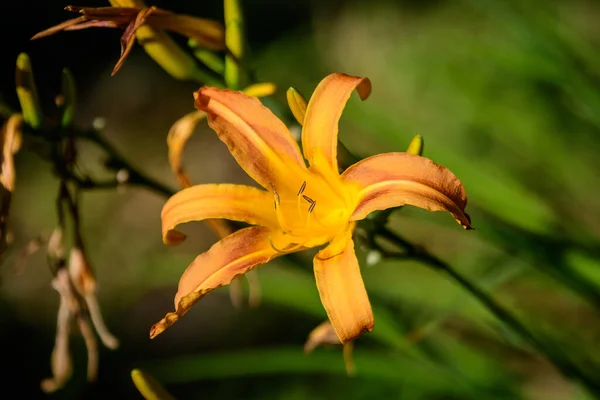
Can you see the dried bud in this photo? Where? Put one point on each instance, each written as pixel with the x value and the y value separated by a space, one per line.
pixel 324 334
pixel 56 246
pixel 85 283
pixel 11 143
pixel 31 248
pixel 148 25
pixel 61 358
pixel 81 273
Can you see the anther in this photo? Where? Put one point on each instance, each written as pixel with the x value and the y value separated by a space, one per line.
pixel 277 200
pixel 328 258
pixel 302 188
pixel 273 246
pixel 305 197
pixel 312 206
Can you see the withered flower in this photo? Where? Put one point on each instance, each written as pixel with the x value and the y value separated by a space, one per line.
pixel 207 33
pixel 11 143
pixel 324 335
pixel 76 286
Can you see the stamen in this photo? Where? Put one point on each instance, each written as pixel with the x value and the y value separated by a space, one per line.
pixel 328 258
pixel 277 199
pixel 305 197
pixel 273 246
pixel 288 249
pixel 302 188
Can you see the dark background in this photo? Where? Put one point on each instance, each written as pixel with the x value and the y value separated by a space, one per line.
pixel 506 95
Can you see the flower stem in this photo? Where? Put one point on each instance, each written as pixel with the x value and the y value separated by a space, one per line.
pixel 551 352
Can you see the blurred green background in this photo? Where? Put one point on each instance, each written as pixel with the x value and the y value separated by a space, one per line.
pixel 506 95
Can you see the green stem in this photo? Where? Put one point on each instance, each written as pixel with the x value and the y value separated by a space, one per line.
pixel 551 352
pixel 117 161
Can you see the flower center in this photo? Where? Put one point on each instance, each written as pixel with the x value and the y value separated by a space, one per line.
pixel 312 215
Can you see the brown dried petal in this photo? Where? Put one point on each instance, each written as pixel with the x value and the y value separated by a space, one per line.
pixel 322 334
pixel 129 36
pixel 61 359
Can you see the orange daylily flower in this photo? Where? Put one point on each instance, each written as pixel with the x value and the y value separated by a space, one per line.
pixel 207 33
pixel 299 206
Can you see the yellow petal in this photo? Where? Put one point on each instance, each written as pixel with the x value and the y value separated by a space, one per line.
pixel 320 132
pixel 257 139
pixel 234 255
pixel 177 138
pixel 395 179
pixel 227 201
pixel 342 289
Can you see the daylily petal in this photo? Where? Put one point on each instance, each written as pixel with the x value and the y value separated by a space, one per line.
pixel 320 132
pixel 177 138
pixel 342 289
pixel 257 139
pixel 227 201
pixel 183 128
pixel 234 255
pixel 395 179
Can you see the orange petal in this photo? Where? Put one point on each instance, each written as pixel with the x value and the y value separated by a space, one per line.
pixel 257 139
pixel 177 138
pixel 226 201
pixel 320 132
pixel 235 255
pixel 342 289
pixel 395 179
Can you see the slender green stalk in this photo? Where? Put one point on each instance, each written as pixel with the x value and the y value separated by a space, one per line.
pixel 551 352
